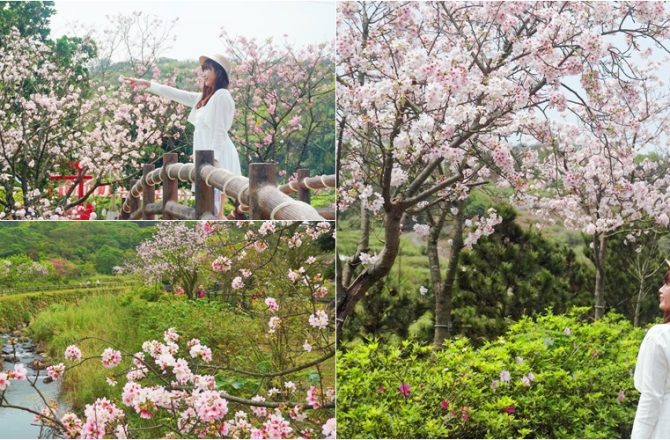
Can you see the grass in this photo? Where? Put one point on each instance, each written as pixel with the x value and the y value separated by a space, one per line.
pixel 323 199
pixel 17 309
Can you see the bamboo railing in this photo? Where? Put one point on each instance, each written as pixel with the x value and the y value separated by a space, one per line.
pixel 258 194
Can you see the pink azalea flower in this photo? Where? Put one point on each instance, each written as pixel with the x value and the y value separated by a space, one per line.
pixel 405 390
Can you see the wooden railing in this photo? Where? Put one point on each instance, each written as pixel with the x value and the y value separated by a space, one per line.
pixel 258 194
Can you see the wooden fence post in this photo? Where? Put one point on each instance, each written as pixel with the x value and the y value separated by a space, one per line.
pixel 260 175
pixel 123 215
pixel 148 191
pixel 204 194
pixel 134 201
pixel 170 186
pixel 303 191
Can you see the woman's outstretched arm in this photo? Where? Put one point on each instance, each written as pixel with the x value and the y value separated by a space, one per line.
pixel 181 96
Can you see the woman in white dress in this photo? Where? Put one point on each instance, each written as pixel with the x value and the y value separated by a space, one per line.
pixel 652 375
pixel 212 112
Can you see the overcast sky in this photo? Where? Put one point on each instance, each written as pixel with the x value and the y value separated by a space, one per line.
pixel 200 22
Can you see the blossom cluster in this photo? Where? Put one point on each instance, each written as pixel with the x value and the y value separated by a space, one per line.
pixel 192 400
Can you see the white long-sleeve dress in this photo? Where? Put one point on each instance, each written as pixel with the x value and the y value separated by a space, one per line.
pixel 212 123
pixel 652 380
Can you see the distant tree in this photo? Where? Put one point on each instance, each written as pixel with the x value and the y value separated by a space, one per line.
pixel 106 258
pixel 63 268
pixel 172 254
pixel 514 273
pixel 636 264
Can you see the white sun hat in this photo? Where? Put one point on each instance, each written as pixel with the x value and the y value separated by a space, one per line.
pixel 218 59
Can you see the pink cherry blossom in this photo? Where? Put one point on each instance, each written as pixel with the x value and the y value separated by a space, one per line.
pixel 72 353
pixel 272 304
pixel 319 319
pixel 210 406
pixel 20 372
pixel 313 397
pixel 111 358
pixel 293 275
pixel 273 324
pixel 222 264
pixel 307 347
pixel 171 335
pixel 237 283
pixel 329 428
pixel 55 372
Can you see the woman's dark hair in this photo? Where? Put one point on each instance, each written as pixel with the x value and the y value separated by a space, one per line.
pixel 666 314
pixel 220 83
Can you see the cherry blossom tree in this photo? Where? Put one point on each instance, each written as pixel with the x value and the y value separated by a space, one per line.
pixel 51 117
pixel 435 98
pixel 174 253
pixel 285 100
pixel 597 182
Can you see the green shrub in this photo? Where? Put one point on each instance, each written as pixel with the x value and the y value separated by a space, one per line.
pixel 148 293
pixel 579 370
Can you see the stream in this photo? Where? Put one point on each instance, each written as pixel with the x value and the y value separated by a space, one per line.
pixel 17 423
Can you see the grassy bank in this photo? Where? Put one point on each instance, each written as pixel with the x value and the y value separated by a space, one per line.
pixel 17 309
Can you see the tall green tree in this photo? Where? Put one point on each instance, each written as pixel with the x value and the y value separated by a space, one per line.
pixel 30 18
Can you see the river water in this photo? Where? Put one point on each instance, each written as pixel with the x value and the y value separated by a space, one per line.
pixel 17 423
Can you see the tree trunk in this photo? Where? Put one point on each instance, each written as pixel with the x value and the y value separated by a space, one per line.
pixel 443 301
pixel 640 295
pixel 600 252
pixel 9 195
pixel 434 266
pixel 355 291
